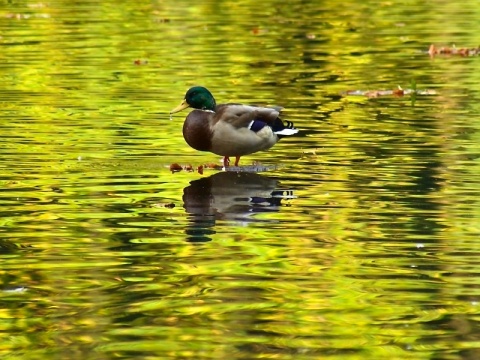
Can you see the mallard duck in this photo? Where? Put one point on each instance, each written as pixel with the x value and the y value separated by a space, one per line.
pixel 230 129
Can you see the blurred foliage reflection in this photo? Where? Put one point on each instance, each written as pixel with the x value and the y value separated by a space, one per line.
pixel 360 242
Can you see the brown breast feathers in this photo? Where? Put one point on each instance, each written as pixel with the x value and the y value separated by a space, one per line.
pixel 196 130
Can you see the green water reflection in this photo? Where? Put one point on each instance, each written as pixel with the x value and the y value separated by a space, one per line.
pixel 359 242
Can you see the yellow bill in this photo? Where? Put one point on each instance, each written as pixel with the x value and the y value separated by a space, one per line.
pixel 180 107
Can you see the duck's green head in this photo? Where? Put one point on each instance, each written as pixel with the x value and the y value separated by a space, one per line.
pixel 197 97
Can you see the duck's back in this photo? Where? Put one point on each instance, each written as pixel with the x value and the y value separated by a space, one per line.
pixel 239 115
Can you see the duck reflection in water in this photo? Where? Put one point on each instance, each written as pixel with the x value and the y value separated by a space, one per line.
pixel 234 196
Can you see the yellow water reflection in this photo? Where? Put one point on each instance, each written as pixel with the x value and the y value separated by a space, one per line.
pixel 359 242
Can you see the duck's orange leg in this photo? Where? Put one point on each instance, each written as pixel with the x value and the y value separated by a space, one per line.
pixel 237 159
pixel 226 161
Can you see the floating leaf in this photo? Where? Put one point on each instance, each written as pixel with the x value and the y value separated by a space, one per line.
pixel 175 167
pixel 445 50
pixel 140 62
pixel 395 92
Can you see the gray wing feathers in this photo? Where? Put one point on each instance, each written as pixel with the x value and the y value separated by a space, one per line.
pixel 241 115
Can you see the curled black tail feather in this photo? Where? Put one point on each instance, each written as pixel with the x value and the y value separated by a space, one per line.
pixel 278 125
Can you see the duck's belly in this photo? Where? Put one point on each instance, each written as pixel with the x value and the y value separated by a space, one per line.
pixel 230 141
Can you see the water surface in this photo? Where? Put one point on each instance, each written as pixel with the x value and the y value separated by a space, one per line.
pixel 360 241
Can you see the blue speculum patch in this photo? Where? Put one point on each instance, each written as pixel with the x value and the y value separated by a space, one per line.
pixel 257 125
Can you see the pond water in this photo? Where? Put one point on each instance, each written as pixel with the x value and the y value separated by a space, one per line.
pixel 360 240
